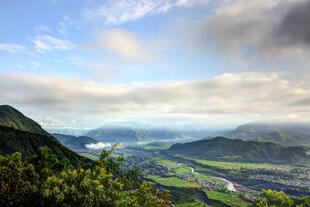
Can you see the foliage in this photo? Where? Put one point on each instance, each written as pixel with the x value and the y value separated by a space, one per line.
pixel 43 180
pixel 273 199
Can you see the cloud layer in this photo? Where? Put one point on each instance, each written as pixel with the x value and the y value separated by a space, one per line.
pixel 262 94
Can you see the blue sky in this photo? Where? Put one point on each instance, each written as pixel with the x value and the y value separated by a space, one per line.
pixel 207 63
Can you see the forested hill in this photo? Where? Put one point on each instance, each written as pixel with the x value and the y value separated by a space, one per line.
pixel 19 133
pixel 221 148
pixel 27 143
pixel 11 117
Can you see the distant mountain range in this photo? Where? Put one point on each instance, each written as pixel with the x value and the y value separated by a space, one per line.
pixel 19 133
pixel 287 138
pixel 67 131
pixel 73 142
pixel 287 134
pixel 224 149
pixel 129 134
pixel 254 130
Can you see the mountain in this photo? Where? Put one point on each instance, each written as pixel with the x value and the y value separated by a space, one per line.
pixel 129 134
pixel 10 117
pixel 73 142
pixel 67 131
pixel 224 149
pixel 287 138
pixel 19 133
pixel 254 130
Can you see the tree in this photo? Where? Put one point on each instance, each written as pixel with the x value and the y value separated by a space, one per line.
pixel 43 180
pixel 273 199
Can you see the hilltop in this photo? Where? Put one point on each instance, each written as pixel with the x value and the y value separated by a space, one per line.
pixel 11 117
pixel 19 133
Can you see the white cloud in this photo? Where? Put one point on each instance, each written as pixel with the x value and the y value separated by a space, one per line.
pixel 12 48
pixel 42 28
pixel 118 12
pixel 121 42
pixel 44 43
pixel 35 64
pixel 99 145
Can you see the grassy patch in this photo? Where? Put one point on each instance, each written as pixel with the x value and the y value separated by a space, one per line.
pixel 226 198
pixel 192 204
pixel 235 165
pixel 90 156
pixel 173 181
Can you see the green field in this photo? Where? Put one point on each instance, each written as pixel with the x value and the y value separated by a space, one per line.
pixel 173 181
pixel 192 204
pixel 225 198
pixel 234 165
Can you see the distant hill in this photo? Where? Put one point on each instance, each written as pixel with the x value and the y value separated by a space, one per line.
pixel 286 138
pixel 128 134
pixel 254 130
pixel 73 142
pixel 67 131
pixel 11 117
pixel 224 149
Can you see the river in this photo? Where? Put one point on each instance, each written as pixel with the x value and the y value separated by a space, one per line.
pixel 229 185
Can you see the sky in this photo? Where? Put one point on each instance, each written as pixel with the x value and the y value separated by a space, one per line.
pixel 208 63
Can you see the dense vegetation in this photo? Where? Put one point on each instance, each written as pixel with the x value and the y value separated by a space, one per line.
pixel 287 138
pixel 43 180
pixel 127 134
pixel 27 143
pixel 12 118
pixel 73 142
pixel 221 148
pixel 279 199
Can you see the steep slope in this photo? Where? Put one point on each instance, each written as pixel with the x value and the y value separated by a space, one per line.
pixel 128 134
pixel 14 140
pixel 221 148
pixel 254 130
pixel 286 138
pixel 11 117
pixel 74 143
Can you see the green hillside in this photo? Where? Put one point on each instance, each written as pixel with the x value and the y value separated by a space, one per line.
pixel 127 134
pixel 13 118
pixel 73 142
pixel 286 138
pixel 221 148
pixel 28 144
